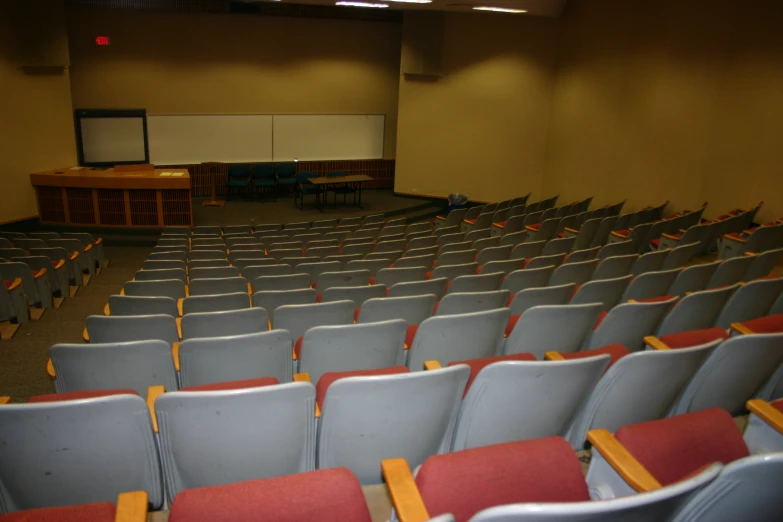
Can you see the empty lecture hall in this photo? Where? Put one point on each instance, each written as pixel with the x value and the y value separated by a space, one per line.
pixel 282 260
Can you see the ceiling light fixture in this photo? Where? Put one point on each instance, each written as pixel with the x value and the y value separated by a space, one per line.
pixel 500 9
pixel 362 4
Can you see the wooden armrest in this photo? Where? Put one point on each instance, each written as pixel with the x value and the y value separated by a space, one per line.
pixel 153 392
pixel 766 412
pixel 432 365
pixel 178 320
pixel 621 460
pixel 122 291
pixel 499 225
pixel 175 355
pixel 187 291
pixel 50 369
pixel 305 377
pixel 60 264
pixel 737 239
pixel 132 507
pixel 655 343
pixel 573 231
pixel 751 254
pixel 4 399
pixel 531 228
pixel 73 255
pixel 88 248
pixel 669 236
pixel 553 356
pixel 179 305
pixel 617 234
pixel 441 218
pixel 741 328
pixel 85 335
pixel 41 273
pixel 633 301
pixel 249 288
pixel 16 284
pixel 405 496
pixel 405 346
pixel 106 309
pixel 99 241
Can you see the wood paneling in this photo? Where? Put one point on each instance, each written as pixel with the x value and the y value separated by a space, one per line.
pixel 50 204
pixel 111 206
pixel 80 206
pixel 144 208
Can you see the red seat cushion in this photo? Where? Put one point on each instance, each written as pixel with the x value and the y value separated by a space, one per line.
pixel 655 242
pixel 465 482
pixel 672 449
pixel 512 322
pixel 411 334
pixel 623 233
pixel 318 298
pixel 328 378
pixel 72 396
pixel 325 495
pixel 767 324
pixel 95 512
pixel 734 235
pixel 694 337
pixel 471 221
pixel 372 280
pixel 298 347
pixel 428 274
pixel 36 272
pixel 600 319
pixel 616 351
pixel 535 226
pixel 234 385
pixel 502 223
pixel 8 283
pixel 54 263
pixel 476 365
pixel 778 405
pixel 356 313
pixel 655 299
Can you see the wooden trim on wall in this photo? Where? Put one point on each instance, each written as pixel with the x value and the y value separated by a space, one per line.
pixel 17 220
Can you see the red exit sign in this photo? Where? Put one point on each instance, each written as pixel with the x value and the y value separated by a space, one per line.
pixel 102 40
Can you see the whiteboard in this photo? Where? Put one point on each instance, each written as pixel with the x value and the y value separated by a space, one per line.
pixel 328 136
pixel 112 140
pixel 176 139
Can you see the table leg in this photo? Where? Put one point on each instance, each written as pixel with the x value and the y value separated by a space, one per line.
pixel 213 201
pixel 360 195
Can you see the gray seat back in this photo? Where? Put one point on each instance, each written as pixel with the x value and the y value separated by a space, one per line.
pixel 695 311
pixel 650 284
pixel 297 319
pixel 342 279
pixel 215 303
pixel 628 324
pixel 528 250
pixel 225 285
pixel 392 276
pixel 577 273
pixel 160 274
pixel 540 261
pixel 142 305
pixel 519 280
pixel 608 292
pixel 545 295
pixel 752 300
pixel 207 254
pixel 110 446
pixel 477 283
pixel 762 264
pixel 615 266
pixel 281 282
pixel 357 411
pixel 412 261
pixel 463 303
pixel 197 451
pixel 451 272
pixel 254 271
pixel 621 248
pixel 680 256
pixel 316 269
pixel 173 288
pixel 649 262
pixel 434 286
pixel 357 294
pixel 693 278
pixel 221 324
pixel 213 272
pixel 495 253
pixel 560 245
pixel 507 267
pixel 272 299
pixel 118 329
pixel 413 309
pixel 541 328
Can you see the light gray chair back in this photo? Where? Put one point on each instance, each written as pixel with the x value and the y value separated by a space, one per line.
pixel 545 295
pixel 253 271
pixel 519 280
pixel 221 324
pixel 628 324
pixel 588 254
pixel 111 450
pixel 561 245
pixel 297 319
pixel 528 250
pixel 497 253
pixel 357 294
pixel 608 292
pixel 649 262
pixel 460 257
pixel 752 300
pixel 142 305
pixel 693 278
pixel 487 416
pixel 213 273
pixel 209 263
pixel 602 232
pixel 342 279
pixel 198 452
pixel 162 264
pixel 577 273
pixel 763 264
pixel 540 261
pixel 476 283
pixel 279 253
pixel 730 272
pixel 451 272
pixel 747 488
pixel 422 251
pixel 225 285
pixel 680 256
pixel 389 256
pixel 392 276
pixel 508 266
pixel 453 218
pixel 434 286
pixel 422 242
pixel 650 284
pixel 343 259
pixel 168 256
pixel 353 429
pixel 371 265
pixel 484 243
pixel 412 309
pixel 343 348
pixel 210 360
pixel 464 303
pixel 695 311
pixel 133 365
pixel 215 303
pixel 235 256
pixel 540 329
pixel 281 282
pixel 477 233
pixel 205 254
pixel 323 251
pixel 160 274
pixel 118 329
pixel 732 374
pixel 458 337
pixel 621 248
pixel 622 395
pixel 173 288
pixel 424 261
pixel 272 299
pixel 447 239
pixel 587 232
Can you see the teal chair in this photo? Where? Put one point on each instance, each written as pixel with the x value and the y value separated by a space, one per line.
pixel 304 188
pixel 264 177
pixel 238 178
pixel 344 189
pixel 286 175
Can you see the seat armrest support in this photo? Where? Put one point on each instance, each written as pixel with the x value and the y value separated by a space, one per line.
pixel 621 460
pixel 405 496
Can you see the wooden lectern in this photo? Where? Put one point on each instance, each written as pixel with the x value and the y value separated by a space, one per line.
pixel 213 201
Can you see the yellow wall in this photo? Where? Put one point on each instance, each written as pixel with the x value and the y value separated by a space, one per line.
pixel 482 128
pixel 36 121
pixel 206 63
pixel 666 99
